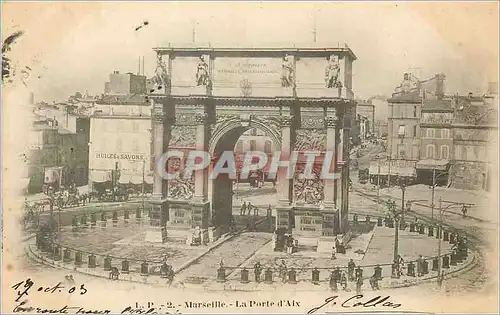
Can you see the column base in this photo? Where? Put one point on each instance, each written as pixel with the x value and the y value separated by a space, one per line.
pixel 156 235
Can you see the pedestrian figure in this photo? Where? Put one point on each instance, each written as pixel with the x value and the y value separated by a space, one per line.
pixel 243 208
pixel 420 266
pixel 269 212
pixel 359 284
pixel 333 282
pixel 334 250
pixel 257 269
pixel 374 282
pixel 249 208
pixel 283 271
pixel 350 269
pixel 343 281
pixel 464 211
pixel 255 211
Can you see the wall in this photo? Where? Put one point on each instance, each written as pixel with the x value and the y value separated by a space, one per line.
pixel 123 139
pixel 440 139
pixel 408 115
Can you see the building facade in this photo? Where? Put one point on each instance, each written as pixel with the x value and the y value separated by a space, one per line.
pixel 366 109
pixel 475 128
pixel 43 154
pixel 120 142
pixel 436 140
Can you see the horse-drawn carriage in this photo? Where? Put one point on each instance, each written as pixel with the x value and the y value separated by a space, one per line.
pixel 120 194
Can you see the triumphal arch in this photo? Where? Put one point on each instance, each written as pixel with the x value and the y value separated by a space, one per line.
pixel 205 98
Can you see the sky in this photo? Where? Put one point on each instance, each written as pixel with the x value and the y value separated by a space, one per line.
pixel 74 47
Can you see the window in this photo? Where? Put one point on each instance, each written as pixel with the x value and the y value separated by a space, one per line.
pixel 267 146
pixel 119 144
pixel 253 145
pixel 430 133
pixel 402 130
pixel 414 131
pixel 430 151
pixel 135 145
pixel 445 133
pixel 415 111
pixel 445 152
pixel 253 132
pixel 239 146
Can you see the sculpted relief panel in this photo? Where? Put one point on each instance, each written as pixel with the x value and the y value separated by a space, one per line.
pixel 182 136
pixel 308 191
pixel 181 187
pixel 310 140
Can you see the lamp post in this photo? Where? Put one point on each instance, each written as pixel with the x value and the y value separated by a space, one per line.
pixel 391 205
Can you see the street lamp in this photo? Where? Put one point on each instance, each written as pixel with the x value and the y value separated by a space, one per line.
pixel 391 205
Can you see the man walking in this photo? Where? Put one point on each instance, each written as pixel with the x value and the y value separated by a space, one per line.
pixel 243 208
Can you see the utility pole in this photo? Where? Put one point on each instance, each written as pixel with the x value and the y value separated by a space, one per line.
pixel 378 186
pixel 143 180
pixel 440 280
pixel 432 192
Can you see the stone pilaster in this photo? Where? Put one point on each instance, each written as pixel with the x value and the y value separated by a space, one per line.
pixel 199 204
pixel 284 179
pixel 157 232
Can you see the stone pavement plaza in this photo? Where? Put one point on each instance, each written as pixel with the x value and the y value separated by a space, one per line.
pixel 198 264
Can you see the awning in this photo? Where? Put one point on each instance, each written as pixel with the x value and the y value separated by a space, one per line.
pixel 440 165
pixel 395 167
pixel 124 179
pixel 136 179
pixel 100 176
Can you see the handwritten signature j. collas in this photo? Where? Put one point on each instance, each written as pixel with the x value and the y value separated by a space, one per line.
pixel 357 301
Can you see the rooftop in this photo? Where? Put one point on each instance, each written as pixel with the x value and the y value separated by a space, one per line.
pixel 120 99
pixel 410 97
pixel 437 106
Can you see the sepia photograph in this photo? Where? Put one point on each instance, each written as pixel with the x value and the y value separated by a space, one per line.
pixel 249 157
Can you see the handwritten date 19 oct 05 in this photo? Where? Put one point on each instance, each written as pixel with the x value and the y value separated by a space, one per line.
pixel 24 287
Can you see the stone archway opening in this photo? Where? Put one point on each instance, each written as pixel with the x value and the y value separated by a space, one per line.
pixel 228 194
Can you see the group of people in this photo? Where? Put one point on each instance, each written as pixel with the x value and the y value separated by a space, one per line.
pixel 246 208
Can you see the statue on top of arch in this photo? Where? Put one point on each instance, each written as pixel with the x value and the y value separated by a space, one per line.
pixel 332 72
pixel 202 77
pixel 287 72
pixel 160 79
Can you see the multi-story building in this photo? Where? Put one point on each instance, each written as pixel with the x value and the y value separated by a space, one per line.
pixel 42 154
pixel 436 140
pixel 366 109
pixel 72 141
pixel 125 84
pixel 474 128
pixel 404 129
pixel 120 140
